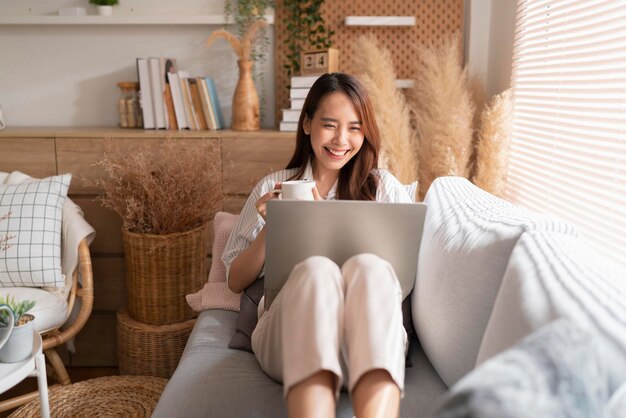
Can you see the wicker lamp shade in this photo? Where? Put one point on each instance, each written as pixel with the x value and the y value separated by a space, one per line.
pixel 152 350
pixel 160 271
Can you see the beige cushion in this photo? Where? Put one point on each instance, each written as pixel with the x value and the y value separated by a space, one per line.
pixel 50 309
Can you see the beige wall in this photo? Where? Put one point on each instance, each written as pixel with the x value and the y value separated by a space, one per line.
pixel 66 75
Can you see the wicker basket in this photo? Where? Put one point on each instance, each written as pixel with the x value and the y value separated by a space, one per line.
pixel 160 271
pixel 150 350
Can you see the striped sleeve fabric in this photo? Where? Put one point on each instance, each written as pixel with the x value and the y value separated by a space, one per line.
pixel 250 222
pixel 552 276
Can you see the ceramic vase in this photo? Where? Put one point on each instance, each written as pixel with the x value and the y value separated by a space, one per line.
pixel 105 10
pixel 246 115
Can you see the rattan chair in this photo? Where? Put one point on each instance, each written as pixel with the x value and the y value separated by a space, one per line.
pixel 82 289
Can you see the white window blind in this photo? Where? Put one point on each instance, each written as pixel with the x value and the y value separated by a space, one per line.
pixel 568 153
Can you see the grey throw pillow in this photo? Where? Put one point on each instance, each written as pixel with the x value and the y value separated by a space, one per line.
pixel 558 371
pixel 247 318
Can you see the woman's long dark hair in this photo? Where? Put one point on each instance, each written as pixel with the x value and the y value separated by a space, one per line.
pixel 357 181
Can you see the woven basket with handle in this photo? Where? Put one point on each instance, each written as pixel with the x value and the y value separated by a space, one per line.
pixel 161 270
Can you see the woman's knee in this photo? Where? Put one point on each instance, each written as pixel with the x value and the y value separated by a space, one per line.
pixel 317 272
pixel 368 267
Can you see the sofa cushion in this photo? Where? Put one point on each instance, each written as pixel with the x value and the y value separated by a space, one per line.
pixel 215 294
pixel 558 371
pixel 32 214
pixel 552 276
pixel 50 310
pixel 212 380
pixel 468 237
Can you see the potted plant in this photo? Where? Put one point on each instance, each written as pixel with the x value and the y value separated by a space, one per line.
pixel 105 7
pixel 19 345
pixel 306 29
pixel 166 193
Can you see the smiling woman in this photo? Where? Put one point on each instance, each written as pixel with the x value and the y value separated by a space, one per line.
pixel 314 316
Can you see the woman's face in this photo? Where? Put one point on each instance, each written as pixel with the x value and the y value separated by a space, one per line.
pixel 336 132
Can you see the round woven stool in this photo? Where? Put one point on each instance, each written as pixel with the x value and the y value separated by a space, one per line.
pixel 111 396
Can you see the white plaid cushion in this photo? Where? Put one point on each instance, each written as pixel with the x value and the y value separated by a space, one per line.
pixel 30 238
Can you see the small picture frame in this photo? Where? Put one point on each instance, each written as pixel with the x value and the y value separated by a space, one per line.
pixel 319 61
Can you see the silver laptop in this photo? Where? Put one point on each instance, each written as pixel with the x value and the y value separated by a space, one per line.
pixel 340 229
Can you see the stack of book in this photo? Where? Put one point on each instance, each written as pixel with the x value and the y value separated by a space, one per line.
pixel 300 86
pixel 172 99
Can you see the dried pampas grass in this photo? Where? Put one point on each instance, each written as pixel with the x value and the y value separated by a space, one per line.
pixel 243 46
pixel 161 189
pixel 478 96
pixel 376 71
pixel 494 141
pixel 443 112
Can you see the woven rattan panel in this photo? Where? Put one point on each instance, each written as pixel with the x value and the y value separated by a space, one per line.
pixel 434 18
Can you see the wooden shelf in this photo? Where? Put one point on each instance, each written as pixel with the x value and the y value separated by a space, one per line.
pixel 119 20
pixel 380 21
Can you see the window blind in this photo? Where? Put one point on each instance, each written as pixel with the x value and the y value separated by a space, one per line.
pixel 568 152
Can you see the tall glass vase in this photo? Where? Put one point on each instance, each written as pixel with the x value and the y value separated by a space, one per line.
pixel 246 116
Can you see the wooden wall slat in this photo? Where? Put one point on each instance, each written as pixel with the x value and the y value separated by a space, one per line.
pixel 234 203
pixel 107 224
pixel 96 343
pixel 109 283
pixel 32 156
pixel 246 161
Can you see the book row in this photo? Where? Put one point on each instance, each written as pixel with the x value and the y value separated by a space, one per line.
pixel 172 99
pixel 300 86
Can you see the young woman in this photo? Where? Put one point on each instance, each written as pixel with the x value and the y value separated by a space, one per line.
pixel 330 324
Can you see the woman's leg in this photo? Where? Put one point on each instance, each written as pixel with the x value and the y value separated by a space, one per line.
pixel 376 395
pixel 375 338
pixel 297 340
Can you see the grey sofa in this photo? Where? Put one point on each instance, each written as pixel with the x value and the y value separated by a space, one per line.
pixel 467 266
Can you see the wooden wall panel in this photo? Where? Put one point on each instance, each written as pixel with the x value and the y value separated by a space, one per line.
pixel 246 161
pixel 107 224
pixel 96 343
pixel 79 155
pixel 240 155
pixel 234 203
pixel 109 283
pixel 32 156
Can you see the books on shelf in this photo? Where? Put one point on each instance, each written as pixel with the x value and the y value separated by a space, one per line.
pixel 207 106
pixel 145 86
pixel 298 93
pixel 297 104
pixel 172 99
pixel 201 123
pixel 291 115
pixel 288 126
pixel 215 101
pixel 157 86
pixel 177 98
pixel 303 81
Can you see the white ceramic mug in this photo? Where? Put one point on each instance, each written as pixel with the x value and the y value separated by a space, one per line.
pixel 296 190
pixel 2 124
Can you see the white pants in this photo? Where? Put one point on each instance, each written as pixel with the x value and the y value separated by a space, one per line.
pixel 347 321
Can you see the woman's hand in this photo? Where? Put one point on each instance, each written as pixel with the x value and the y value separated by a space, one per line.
pixel 261 204
pixel 316 194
